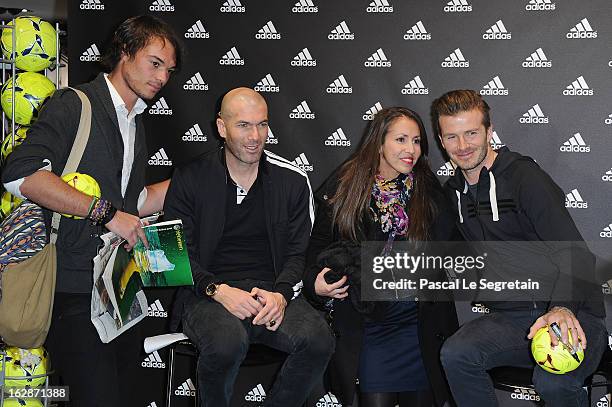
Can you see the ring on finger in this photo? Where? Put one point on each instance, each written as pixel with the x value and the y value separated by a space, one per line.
pixel 272 323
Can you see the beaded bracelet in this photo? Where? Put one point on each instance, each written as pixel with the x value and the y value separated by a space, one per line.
pixel 91 206
pixel 99 211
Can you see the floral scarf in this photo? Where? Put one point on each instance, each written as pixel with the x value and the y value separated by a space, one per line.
pixel 389 206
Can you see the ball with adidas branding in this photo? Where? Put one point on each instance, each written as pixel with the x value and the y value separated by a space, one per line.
pixel 10 143
pixel 24 367
pixel 84 183
pixel 31 91
pixel 8 202
pixel 554 359
pixel 36 43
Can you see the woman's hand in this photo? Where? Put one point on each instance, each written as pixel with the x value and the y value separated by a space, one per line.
pixel 335 290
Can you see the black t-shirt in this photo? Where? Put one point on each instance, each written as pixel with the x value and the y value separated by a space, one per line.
pixel 244 249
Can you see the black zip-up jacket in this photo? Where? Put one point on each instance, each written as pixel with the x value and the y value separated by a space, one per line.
pixel 516 201
pixel 197 196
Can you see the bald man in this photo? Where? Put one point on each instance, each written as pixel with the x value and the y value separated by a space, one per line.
pixel 247 215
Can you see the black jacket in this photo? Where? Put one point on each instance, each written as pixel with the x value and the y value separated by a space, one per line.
pixel 197 195
pixel 516 201
pixel 51 137
pixel 436 320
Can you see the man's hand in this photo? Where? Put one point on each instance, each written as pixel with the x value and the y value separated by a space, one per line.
pixel 566 319
pixel 128 227
pixel 273 312
pixel 335 290
pixel 237 302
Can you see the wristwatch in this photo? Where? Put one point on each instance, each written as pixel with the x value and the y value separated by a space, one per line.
pixel 211 289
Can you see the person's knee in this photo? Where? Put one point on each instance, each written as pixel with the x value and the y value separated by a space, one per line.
pixel 456 351
pixel 317 341
pixel 222 349
pixel 557 387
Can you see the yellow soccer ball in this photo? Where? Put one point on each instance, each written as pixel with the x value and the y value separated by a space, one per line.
pixel 557 359
pixel 25 367
pixel 7 145
pixel 17 402
pixel 8 202
pixel 84 183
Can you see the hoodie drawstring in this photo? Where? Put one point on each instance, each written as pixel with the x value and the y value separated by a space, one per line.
pixel 459 206
pixel 493 197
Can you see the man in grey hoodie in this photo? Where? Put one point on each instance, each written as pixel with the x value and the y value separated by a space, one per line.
pixel 503 196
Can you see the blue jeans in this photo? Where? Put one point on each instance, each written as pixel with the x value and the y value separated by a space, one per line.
pixel 223 340
pixel 500 339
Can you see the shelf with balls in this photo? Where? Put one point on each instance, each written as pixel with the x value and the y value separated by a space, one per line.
pixel 29 45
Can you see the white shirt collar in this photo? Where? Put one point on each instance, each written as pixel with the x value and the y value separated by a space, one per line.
pixel 139 107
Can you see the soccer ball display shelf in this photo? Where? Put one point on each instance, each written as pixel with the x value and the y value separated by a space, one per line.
pixel 28 44
pixel 21 370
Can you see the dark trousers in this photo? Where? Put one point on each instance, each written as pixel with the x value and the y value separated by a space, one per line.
pixel 223 340
pixel 91 369
pixel 500 339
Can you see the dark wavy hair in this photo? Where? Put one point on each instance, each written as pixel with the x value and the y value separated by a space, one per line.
pixel 134 34
pixel 458 101
pixel 357 175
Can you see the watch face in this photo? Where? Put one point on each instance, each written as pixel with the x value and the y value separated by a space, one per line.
pixel 211 289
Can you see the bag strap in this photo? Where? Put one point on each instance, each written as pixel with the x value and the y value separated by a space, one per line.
pixel 76 153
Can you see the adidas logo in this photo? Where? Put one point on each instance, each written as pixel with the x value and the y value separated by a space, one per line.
pixel 369 114
pixel 480 308
pixel 415 87
pixel 160 158
pixel 197 30
pixel 194 134
pixel 257 394
pixel 305 6
pixel 582 30
pixel 457 6
pixel 302 111
pixel 152 404
pixel 605 289
pixel 338 139
pixel 379 6
pixel 153 361
pixel 91 5
pixel 161 5
pixel 186 389
pixel 156 309
pixel 608 119
pixel 578 88
pixel 497 32
pixel 533 116
pixel 540 5
pixel 160 107
pixel 196 82
pixel 267 84
pixel 607 176
pixel 378 60
pixel 91 54
pixel 525 394
pixel 574 200
pixel 328 400
pixel 304 59
pixel 537 59
pixel 271 139
pixel 603 402
pixel 231 57
pixel 575 144
pixel 455 60
pixel 496 141
pixel 495 87
pixel 417 32
pixel 302 162
pixel 268 32
pixel 606 232
pixel 341 32
pixel 446 170
pixel 232 6
pixel 339 85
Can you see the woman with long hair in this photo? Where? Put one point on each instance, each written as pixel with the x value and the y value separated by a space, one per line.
pixel 385 192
